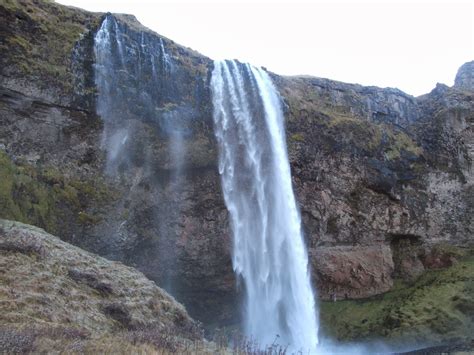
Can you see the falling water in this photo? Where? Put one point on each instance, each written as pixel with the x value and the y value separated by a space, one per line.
pixel 165 57
pixel 109 53
pixel 269 253
pixel 142 107
pixel 132 74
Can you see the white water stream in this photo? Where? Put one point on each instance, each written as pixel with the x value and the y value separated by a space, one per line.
pixel 269 254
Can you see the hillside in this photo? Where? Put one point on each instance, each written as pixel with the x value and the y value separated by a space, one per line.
pixel 57 297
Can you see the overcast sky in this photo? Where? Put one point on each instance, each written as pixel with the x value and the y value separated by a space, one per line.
pixel 411 45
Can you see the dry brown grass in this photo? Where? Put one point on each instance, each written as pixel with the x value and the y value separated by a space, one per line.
pixel 57 297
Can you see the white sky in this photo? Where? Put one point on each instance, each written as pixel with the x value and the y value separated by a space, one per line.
pixel 411 45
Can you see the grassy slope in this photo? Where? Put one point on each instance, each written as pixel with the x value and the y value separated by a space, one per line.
pixel 437 308
pixel 54 296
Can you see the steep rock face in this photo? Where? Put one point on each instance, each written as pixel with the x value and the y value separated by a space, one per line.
pixel 379 175
pixel 139 208
pixel 376 167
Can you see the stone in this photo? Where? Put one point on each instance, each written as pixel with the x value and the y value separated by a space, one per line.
pixel 465 77
pixel 352 272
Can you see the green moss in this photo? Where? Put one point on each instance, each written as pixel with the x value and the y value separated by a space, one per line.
pixel 7 176
pixel 45 197
pixel 399 142
pixel 437 308
pixel 297 137
pixel 20 42
pixel 363 134
pixel 88 219
pixel 451 250
pixel 22 197
pixel 42 41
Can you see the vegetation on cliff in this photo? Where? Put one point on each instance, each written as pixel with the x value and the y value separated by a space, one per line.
pixel 437 308
pixel 47 198
pixel 344 119
pixel 39 39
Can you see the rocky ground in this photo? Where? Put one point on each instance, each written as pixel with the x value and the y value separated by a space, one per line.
pixel 384 180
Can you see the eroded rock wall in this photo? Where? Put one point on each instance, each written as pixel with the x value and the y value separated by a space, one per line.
pixel 376 168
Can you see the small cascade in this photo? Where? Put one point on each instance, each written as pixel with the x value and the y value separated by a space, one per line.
pixel 269 254
pixel 144 127
pixel 133 79
pixel 109 55
pixel 167 66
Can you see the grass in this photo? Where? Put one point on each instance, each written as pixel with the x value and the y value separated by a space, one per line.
pixel 55 297
pixel 437 308
pixel 399 142
pixel 362 134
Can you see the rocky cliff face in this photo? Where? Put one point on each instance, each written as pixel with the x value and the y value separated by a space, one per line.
pixel 58 173
pixel 378 168
pixel 464 78
pixel 382 178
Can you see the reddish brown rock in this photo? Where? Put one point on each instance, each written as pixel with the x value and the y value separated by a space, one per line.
pixel 352 272
pixel 437 258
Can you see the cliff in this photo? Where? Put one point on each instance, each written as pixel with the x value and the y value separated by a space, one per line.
pixel 384 180
pixel 380 175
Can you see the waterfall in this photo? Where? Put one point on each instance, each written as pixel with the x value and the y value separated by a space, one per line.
pixel 145 120
pixel 269 254
pixel 166 58
pixel 133 77
pixel 110 57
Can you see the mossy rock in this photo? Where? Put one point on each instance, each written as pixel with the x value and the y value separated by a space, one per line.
pixel 45 197
pixel 40 38
pixel 437 309
pixel 297 137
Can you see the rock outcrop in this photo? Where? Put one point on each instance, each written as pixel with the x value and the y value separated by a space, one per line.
pixel 382 178
pixel 344 272
pixel 465 77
